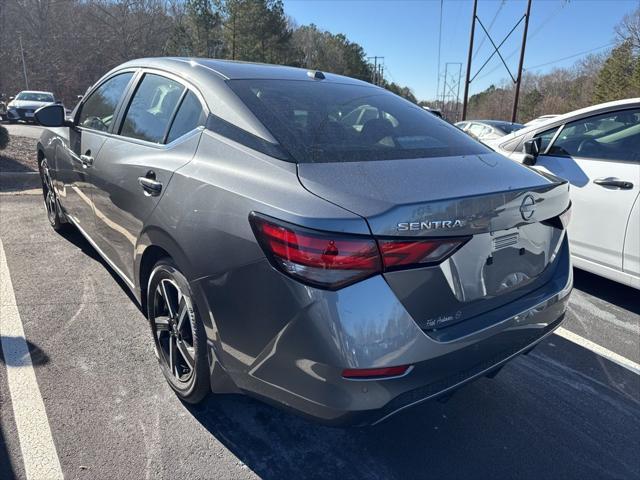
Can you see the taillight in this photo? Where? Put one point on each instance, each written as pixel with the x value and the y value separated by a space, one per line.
pixel 408 253
pixel 327 260
pixel 335 260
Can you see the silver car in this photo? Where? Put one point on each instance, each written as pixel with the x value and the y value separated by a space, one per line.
pixel 25 103
pixel 287 247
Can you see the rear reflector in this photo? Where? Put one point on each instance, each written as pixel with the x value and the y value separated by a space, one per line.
pixel 334 260
pixel 362 373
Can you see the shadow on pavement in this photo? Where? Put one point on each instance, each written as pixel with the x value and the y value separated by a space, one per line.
pixel 607 290
pixel 73 236
pixel 542 417
pixel 6 469
pixel 15 345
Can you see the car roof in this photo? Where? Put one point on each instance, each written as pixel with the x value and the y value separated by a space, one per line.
pixel 209 77
pixel 35 91
pixel 574 115
pixel 235 70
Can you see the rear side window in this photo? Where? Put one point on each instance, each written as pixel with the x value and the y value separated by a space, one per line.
pixel 152 108
pixel 98 110
pixel 190 115
pixel 318 121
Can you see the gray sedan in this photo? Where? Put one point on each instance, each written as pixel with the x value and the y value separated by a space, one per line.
pixel 306 238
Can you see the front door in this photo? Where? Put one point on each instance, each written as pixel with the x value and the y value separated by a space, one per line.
pixel 86 140
pixel 600 156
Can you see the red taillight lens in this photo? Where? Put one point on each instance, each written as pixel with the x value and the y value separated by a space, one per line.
pixel 407 253
pixel 363 373
pixel 335 260
pixel 328 260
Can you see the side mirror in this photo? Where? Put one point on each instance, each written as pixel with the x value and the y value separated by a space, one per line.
pixel 51 115
pixel 11 98
pixel 531 151
pixel 58 102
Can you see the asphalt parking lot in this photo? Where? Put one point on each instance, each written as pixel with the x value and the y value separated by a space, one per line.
pixel 564 411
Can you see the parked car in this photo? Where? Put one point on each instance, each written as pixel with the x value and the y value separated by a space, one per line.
pixel 3 107
pixel 540 119
pixel 284 249
pixel 488 130
pixel 435 111
pixel 598 150
pixel 23 106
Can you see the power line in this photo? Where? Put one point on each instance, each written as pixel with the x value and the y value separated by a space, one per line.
pixel 571 56
pixel 563 3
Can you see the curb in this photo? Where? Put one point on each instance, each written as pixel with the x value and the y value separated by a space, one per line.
pixel 17 182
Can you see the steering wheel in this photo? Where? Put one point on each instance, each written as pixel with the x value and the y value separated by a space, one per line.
pixel 588 145
pixel 96 123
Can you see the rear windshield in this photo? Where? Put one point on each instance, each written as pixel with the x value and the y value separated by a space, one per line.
pixel 318 121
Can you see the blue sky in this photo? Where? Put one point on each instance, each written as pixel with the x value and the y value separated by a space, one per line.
pixel 405 32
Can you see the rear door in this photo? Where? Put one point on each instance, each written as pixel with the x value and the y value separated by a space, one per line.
pixel 600 156
pixel 94 122
pixel 158 132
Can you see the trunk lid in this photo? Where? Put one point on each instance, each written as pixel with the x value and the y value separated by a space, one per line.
pixel 501 205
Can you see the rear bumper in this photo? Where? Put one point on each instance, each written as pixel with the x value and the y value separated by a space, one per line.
pixel 292 352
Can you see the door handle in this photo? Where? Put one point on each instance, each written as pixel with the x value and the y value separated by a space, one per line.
pixel 150 185
pixel 86 160
pixel 613 182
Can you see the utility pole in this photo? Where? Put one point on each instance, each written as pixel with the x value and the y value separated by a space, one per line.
pixel 514 114
pixel 375 73
pixel 24 65
pixel 439 50
pixel 496 51
pixel 465 100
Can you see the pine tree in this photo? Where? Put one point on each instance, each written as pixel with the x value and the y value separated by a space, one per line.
pixel 615 79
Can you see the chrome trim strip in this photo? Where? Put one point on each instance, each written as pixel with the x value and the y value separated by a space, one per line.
pixel 120 273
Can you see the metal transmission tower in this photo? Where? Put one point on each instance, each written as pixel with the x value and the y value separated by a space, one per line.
pixel 496 50
pixel 451 90
pixel 376 77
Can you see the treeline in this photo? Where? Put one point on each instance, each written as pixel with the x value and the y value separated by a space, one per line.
pixel 69 44
pixel 613 75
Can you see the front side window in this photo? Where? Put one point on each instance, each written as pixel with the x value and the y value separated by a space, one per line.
pixel 546 138
pixel 99 108
pixel 610 136
pixel 335 122
pixel 190 115
pixel 151 108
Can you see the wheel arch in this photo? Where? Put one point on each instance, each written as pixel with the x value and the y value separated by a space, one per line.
pixel 154 244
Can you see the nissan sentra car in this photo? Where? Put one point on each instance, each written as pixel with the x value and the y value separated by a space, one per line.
pixel 286 247
pixel 24 105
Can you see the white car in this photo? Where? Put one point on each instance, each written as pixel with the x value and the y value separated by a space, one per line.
pixel 488 131
pixel 24 105
pixel 540 119
pixel 598 150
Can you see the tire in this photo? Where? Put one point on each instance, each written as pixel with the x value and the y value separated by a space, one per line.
pixel 178 332
pixel 51 203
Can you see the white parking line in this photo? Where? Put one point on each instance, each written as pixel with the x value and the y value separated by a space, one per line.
pixel 603 352
pixel 36 442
